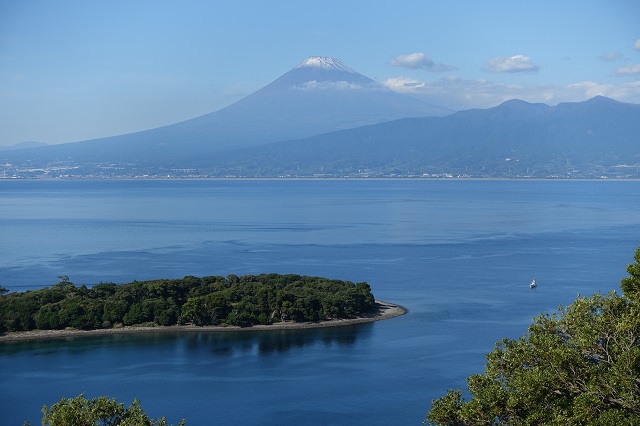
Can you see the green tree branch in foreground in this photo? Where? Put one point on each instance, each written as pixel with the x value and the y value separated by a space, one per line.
pixel 579 366
pixel 98 411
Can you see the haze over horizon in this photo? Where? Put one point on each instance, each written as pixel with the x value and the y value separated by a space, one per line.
pixel 74 71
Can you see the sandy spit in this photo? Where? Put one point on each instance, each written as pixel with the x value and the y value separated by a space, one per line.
pixel 385 310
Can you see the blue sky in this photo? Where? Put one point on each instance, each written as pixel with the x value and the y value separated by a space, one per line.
pixel 76 70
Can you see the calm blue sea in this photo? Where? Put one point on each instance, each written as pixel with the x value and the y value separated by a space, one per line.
pixel 458 254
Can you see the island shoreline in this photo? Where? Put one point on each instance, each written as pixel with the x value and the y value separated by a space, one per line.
pixel 385 310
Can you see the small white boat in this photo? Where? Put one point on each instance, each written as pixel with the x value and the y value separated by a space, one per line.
pixel 533 284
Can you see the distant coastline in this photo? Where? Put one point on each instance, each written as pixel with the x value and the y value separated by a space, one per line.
pixel 385 310
pixel 311 178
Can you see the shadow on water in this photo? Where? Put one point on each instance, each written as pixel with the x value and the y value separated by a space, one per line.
pixel 266 343
pixel 217 344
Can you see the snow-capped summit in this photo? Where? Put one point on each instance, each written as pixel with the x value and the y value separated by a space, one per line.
pixel 316 71
pixel 325 62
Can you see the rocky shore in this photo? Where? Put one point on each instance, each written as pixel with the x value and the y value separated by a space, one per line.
pixel 385 310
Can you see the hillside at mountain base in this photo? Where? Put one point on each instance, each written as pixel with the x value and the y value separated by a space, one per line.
pixel 591 139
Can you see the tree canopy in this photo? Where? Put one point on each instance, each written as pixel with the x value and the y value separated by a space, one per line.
pixel 577 366
pixel 214 300
pixel 80 411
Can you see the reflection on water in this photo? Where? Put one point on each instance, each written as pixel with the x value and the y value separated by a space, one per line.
pixel 217 344
pixel 266 343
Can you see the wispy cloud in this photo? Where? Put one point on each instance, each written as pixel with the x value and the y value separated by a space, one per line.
pixel 628 70
pixel 334 85
pixel 611 57
pixel 406 84
pixel 637 44
pixel 627 92
pixel 419 60
pixel 512 64
pixel 459 94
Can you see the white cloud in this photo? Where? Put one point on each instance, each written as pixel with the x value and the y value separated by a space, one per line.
pixel 590 88
pixel 637 44
pixel 412 61
pixel 419 60
pixel 512 64
pixel 628 70
pixel 458 94
pixel 405 84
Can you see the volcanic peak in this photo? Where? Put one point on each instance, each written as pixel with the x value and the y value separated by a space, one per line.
pixel 326 63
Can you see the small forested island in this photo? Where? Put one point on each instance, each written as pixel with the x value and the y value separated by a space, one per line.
pixel 243 301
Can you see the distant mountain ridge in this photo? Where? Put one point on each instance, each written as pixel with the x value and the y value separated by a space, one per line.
pixel 516 138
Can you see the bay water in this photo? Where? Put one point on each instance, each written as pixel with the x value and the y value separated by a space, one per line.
pixel 459 255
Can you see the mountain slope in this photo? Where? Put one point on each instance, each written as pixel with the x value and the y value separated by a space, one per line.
pixel 317 96
pixel 516 138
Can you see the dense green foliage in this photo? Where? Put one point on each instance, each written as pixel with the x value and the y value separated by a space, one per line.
pixel 579 366
pixel 98 411
pixel 214 300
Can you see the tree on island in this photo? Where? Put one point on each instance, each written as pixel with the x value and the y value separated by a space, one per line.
pixel 579 366
pixel 80 411
pixel 214 300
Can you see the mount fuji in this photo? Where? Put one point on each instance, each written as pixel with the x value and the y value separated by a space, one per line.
pixel 319 95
